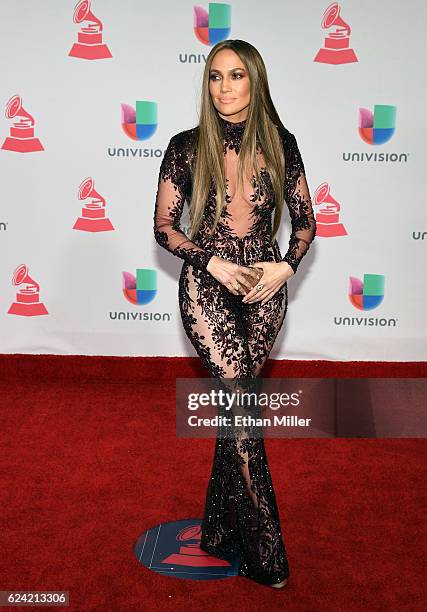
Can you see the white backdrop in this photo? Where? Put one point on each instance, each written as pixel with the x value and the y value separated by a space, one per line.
pixel 76 106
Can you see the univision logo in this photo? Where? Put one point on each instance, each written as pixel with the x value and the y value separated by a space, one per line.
pixel 209 27
pixel 376 128
pixel 139 123
pixel 140 289
pixel 366 295
pixel 213 26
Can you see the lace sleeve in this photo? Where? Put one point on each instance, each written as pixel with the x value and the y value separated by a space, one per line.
pixel 299 204
pixel 173 187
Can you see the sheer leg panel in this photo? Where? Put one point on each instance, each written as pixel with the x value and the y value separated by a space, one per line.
pixel 213 324
pixel 262 325
pixel 233 340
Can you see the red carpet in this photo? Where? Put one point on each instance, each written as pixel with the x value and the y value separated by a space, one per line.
pixel 90 460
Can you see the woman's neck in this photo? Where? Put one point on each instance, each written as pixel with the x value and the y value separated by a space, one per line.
pixel 233 132
pixel 232 120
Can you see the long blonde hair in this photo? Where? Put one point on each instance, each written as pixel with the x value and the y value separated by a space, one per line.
pixel 262 121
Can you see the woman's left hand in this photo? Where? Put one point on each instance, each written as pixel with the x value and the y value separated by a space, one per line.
pixel 275 276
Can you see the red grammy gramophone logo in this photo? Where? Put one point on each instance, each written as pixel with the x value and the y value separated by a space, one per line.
pixel 21 139
pixel 89 45
pixel 93 217
pixel 27 303
pixel 190 554
pixel 337 43
pixel 327 218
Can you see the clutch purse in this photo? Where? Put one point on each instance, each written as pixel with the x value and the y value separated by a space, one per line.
pixel 252 281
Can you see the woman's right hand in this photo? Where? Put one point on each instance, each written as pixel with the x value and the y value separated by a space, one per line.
pixel 232 275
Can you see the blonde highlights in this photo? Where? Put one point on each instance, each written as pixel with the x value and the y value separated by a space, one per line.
pixel 262 123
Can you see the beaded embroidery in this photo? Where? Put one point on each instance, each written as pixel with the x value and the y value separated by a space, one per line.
pixel 233 339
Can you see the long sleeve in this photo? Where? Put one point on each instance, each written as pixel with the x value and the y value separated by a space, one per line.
pixel 299 204
pixel 173 187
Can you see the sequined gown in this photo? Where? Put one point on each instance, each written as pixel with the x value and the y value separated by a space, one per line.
pixel 234 339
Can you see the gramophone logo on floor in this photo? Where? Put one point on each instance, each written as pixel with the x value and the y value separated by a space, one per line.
pixel 328 223
pixel 173 549
pixel 376 128
pixel 89 45
pixel 93 217
pixel 138 123
pixel 27 302
pixel 140 289
pixel 210 27
pixel 366 295
pixel 336 49
pixel 21 139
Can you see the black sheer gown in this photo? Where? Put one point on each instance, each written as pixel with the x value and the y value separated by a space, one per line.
pixel 234 339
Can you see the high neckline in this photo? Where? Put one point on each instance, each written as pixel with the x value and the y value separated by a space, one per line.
pixel 233 133
pixel 232 125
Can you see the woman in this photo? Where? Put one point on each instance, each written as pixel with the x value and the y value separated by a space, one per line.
pixel 234 169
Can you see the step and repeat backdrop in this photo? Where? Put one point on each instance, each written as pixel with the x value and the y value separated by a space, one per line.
pixel 92 92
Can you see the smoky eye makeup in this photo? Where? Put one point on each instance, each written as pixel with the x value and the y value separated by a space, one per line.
pixel 240 73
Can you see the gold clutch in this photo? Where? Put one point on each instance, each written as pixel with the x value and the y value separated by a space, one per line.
pixel 252 281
